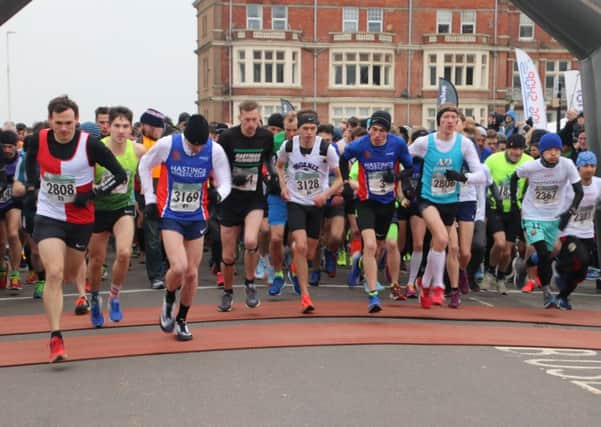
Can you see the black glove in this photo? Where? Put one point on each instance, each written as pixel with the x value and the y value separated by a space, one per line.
pixel 82 199
pixel 408 189
pixel 347 193
pixel 30 200
pixel 389 177
pixel 452 175
pixel 273 185
pixel 239 180
pixel 151 212
pixel 564 218
pixel 499 206
pixel 214 196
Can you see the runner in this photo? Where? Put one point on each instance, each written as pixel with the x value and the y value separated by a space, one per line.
pixel 180 205
pixel 65 213
pixel 114 216
pixel 542 207
pixel 248 147
pixel 444 154
pixel 379 155
pixel 304 163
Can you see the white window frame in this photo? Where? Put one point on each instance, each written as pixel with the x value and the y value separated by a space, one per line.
pixel 254 22
pixel 342 61
pixel 375 16
pixel 479 64
pixel 525 22
pixel 361 110
pixel 245 62
pixel 266 107
pixel 557 75
pixel 468 18
pixel 444 17
pixel 275 20
pixel 350 20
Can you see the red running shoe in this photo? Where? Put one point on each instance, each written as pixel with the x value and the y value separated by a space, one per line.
pixel 438 296
pixel 424 296
pixel 57 350
pixel 307 303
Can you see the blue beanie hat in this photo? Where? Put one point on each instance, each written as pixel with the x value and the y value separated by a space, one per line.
pixel 548 141
pixel 586 158
pixel 91 128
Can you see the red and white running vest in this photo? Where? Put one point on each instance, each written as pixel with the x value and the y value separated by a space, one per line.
pixel 60 180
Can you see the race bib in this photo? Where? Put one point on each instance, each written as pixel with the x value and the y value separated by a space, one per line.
pixel 377 185
pixel 307 183
pixel 7 194
pixel 441 186
pixel 59 188
pixel 184 197
pixel 252 176
pixel 504 190
pixel 583 217
pixel 545 195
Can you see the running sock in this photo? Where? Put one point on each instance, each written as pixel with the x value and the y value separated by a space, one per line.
pixel 170 297
pixel 249 282
pixel 373 293
pixel 114 291
pixel 438 265
pixel 182 313
pixel 56 334
pixel 228 291
pixel 416 260
pixel 278 274
pixel 94 295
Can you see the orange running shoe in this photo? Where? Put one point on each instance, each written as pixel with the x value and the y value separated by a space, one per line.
pixel 57 350
pixel 14 283
pixel 82 306
pixel 307 303
pixel 531 285
pixel 438 296
pixel 32 277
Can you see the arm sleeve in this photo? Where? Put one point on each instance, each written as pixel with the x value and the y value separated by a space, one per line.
pixel 573 174
pixel 419 147
pixel 33 179
pixel 155 156
pixel 100 153
pixel 268 155
pixel 476 174
pixel 221 172
pixel 333 159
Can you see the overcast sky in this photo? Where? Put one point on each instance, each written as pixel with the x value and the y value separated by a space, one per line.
pixel 137 53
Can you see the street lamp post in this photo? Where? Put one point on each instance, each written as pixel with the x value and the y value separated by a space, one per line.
pixel 8 33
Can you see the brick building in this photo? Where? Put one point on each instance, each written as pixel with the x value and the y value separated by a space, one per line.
pixel 349 57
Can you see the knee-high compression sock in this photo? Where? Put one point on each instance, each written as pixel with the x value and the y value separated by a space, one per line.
pixel 438 261
pixel 416 260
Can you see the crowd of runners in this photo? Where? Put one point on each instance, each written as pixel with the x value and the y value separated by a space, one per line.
pixel 462 209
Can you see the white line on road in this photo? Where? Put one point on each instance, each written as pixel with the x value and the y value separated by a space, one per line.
pixel 480 301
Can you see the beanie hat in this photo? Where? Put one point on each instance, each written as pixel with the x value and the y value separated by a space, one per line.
pixel 153 118
pixel 197 130
pixel 548 141
pixel 8 137
pixel 91 128
pixel 516 141
pixel 277 120
pixel 381 118
pixel 183 118
pixel 586 158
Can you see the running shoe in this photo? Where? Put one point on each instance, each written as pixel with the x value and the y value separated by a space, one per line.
pixel 593 273
pixel 549 301
pixel 531 285
pixel 396 292
pixel 260 270
pixel 219 279
pixel 3 276
pixel 438 296
pixel 82 306
pixel 342 259
pixel 166 321
pixel 38 291
pixel 14 283
pixel 464 283
pixel 502 286
pixel 277 284
pixel 354 276
pixel 252 297
pixel 330 263
pixel 31 278
pixel 563 303
pixel 96 315
pixel 425 299
pixel 488 282
pixel 478 276
pixel 374 304
pixel 157 284
pixel 226 302
pixel 115 313
pixel 182 333
pixel 57 350
pixel 410 291
pixel 455 299
pixel 314 278
pixel 294 280
pixel 307 304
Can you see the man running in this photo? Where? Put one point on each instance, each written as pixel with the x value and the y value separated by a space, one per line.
pixel 65 213
pixel 304 164
pixel 114 216
pixel 248 147
pixel 181 207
